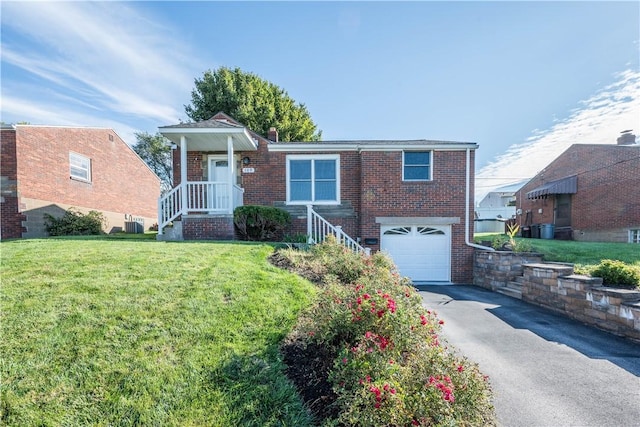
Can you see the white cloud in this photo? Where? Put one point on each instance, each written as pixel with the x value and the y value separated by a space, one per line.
pixel 598 120
pixel 106 53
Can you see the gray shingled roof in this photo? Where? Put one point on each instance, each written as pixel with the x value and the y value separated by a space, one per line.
pixel 211 123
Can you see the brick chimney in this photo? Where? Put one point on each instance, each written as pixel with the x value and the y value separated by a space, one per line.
pixel 273 134
pixel 627 138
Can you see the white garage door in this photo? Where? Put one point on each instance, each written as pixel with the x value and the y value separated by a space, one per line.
pixel 421 252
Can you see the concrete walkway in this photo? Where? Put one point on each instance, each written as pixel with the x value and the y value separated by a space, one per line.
pixel 545 370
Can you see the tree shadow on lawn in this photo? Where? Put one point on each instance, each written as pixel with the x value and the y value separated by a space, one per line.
pixel 590 341
pixel 258 385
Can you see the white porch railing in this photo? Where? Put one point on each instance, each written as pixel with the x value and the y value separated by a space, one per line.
pixel 319 228
pixel 197 196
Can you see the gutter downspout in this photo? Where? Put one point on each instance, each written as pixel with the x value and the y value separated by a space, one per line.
pixel 467 211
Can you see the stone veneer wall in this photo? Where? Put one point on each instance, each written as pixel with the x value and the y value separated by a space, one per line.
pixel 583 298
pixel 493 270
pixel 556 287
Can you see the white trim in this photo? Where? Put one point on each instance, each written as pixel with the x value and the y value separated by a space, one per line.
pixel 413 220
pixel 202 130
pixel 634 235
pixel 430 165
pixel 335 157
pixel 319 147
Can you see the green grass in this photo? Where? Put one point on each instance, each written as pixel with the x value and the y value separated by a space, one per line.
pixel 119 332
pixel 581 253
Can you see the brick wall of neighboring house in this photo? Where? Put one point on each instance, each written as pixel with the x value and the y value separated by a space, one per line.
pixel 10 216
pixel 121 183
pixel 607 202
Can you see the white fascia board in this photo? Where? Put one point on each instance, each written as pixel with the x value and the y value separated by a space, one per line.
pixel 439 147
pixel 184 131
pixel 308 148
pixel 319 147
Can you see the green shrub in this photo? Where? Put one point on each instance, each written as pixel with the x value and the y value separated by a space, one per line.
pixel 338 260
pixel 615 272
pixel 260 223
pixel 75 223
pixel 389 364
pixel 508 241
pixel 295 238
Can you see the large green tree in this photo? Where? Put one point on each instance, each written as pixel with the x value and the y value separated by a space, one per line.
pixel 156 153
pixel 254 102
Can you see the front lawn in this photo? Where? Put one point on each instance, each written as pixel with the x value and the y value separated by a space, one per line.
pixel 99 331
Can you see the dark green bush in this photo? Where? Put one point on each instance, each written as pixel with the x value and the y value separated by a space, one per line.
pixel 75 223
pixel 260 223
pixel 615 272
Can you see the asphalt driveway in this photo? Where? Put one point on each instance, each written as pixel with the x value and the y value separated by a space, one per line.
pixel 545 369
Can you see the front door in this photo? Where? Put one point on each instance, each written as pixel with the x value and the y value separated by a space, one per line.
pixel 218 183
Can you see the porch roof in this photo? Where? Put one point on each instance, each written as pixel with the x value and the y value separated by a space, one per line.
pixel 210 135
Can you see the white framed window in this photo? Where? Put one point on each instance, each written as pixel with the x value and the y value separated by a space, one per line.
pixel 313 179
pixel 634 236
pixel 79 167
pixel 416 165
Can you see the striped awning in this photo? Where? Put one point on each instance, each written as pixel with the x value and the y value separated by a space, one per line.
pixel 568 185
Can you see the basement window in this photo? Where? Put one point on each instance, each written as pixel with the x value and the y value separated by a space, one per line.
pixel 634 236
pixel 79 167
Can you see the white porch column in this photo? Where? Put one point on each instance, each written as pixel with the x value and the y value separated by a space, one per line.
pixel 183 173
pixel 232 172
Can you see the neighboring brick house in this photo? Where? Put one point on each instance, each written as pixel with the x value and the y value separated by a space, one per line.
pixel 410 198
pixel 49 169
pixel 591 192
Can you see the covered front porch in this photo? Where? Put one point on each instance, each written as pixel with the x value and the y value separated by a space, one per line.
pixel 208 186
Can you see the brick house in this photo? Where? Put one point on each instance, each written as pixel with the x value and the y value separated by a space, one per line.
pixel 49 169
pixel 591 192
pixel 410 198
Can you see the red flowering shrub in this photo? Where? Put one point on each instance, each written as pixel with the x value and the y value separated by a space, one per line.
pixel 390 366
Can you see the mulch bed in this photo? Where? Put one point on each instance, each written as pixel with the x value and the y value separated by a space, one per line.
pixel 308 364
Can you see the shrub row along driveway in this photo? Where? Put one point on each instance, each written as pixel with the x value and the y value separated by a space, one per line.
pixel 545 369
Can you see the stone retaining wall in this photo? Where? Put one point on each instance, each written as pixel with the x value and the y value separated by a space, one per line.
pixel 583 298
pixel 493 270
pixel 555 286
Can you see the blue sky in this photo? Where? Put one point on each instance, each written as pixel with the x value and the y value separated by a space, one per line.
pixel 522 79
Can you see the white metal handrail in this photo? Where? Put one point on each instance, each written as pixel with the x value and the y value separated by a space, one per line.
pixel 197 196
pixel 319 228
pixel 169 207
